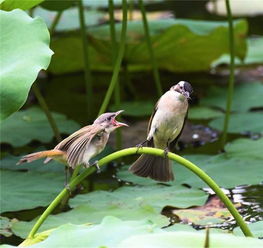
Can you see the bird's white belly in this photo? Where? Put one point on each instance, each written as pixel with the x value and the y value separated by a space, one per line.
pixel 90 152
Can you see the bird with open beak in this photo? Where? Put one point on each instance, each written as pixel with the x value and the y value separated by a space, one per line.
pixel 82 145
pixel 164 129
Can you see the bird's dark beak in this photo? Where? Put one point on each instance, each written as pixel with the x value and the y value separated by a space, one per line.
pixel 117 123
pixel 186 94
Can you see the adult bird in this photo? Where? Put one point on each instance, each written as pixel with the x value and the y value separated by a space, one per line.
pixel 164 129
pixel 82 145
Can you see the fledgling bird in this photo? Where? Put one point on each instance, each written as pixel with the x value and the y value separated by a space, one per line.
pixel 82 145
pixel 164 129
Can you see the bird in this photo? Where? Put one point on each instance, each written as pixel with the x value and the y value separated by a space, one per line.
pixel 82 145
pixel 164 129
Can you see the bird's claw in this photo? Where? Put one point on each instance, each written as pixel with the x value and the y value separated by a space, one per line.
pixel 97 166
pixel 139 146
pixel 67 187
pixel 166 150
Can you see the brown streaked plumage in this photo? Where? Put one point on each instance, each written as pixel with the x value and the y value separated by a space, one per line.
pixel 82 145
pixel 164 129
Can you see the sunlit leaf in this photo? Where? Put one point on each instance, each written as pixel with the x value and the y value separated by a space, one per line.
pixel 127 203
pixel 26 190
pixel 86 214
pixel 32 124
pixel 187 239
pixel 109 233
pixel 241 123
pixel 246 96
pixel 24 52
pixel 18 4
pixel 243 159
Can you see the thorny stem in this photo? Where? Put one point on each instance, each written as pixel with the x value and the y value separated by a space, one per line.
pixel 153 151
pixel 231 75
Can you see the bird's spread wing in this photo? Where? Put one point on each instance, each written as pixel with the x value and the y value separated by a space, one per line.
pixel 78 147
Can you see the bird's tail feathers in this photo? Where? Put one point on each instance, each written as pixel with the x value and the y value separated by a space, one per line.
pixel 37 155
pixel 157 168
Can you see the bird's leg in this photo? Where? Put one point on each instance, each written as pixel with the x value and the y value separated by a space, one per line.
pixel 97 166
pixel 166 149
pixel 140 145
pixel 66 180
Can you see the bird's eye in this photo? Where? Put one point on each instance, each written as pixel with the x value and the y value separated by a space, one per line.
pixel 109 118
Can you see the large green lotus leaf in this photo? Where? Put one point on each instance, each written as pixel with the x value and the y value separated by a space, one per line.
pixel 18 4
pixel 157 196
pixel 256 228
pixel 241 123
pixel 188 240
pixel 109 233
pixel 174 41
pixel 254 54
pixel 127 203
pixel 26 190
pixel 246 96
pixel 87 214
pixel 31 124
pixel 9 163
pixel 203 113
pixel 69 19
pixel 24 52
pixel 241 164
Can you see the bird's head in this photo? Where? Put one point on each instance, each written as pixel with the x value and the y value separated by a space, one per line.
pixel 108 120
pixel 183 88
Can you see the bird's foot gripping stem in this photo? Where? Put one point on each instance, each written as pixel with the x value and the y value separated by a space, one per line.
pixel 166 150
pixel 67 187
pixel 96 164
pixel 139 146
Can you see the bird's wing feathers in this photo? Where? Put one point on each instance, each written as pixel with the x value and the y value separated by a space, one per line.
pixel 78 147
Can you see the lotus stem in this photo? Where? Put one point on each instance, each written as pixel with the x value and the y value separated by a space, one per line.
pixel 156 152
pixel 117 93
pixel 151 51
pixel 118 60
pixel 55 22
pixel 230 90
pixel 87 71
pixel 42 102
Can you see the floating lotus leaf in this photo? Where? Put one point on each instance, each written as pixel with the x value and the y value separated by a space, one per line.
pixel 32 124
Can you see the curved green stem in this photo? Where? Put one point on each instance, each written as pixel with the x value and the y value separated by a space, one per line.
pixel 118 60
pixel 157 152
pixel 87 71
pixel 231 75
pixel 151 51
pixel 46 110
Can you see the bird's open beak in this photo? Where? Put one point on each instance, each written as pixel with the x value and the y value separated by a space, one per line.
pixel 117 123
